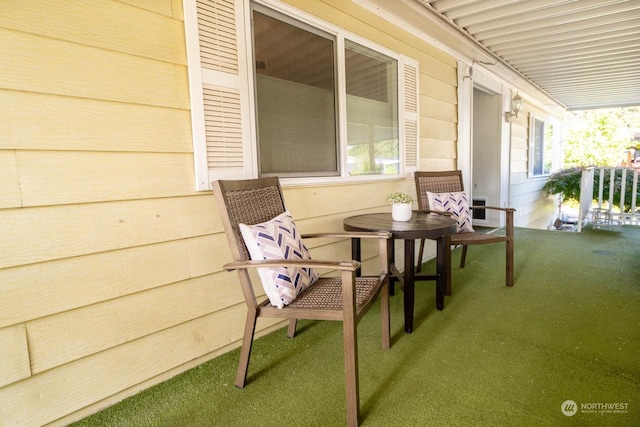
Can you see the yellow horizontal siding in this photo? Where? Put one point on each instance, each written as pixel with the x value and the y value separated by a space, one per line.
pixel 55 393
pixel 518 178
pixel 439 71
pixel 207 254
pixel 520 126
pixel 80 177
pixel 42 234
pixel 534 210
pixel 438 149
pixel 50 122
pixel 150 33
pixel 438 109
pixel 57 67
pixel 10 182
pixel 60 339
pixel 66 284
pixel 519 166
pixel 14 363
pixel 164 7
pixel 438 164
pixel 438 129
pixel 541 215
pixel 322 200
pixel 519 155
pixel 519 144
pixel 437 89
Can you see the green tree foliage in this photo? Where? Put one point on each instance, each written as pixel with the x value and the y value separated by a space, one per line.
pixel 597 138
pixel 600 137
pixel 567 183
pixel 365 165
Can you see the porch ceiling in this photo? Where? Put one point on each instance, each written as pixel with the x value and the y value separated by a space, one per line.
pixel 583 53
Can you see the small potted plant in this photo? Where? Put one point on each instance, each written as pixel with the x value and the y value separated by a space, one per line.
pixel 400 206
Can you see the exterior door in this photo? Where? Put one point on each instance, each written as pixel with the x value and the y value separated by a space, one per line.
pixel 486 155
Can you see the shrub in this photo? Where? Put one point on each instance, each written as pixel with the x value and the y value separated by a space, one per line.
pixel 567 183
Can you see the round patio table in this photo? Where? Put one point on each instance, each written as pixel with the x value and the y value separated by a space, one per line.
pixel 421 226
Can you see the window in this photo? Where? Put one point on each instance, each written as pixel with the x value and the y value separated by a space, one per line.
pixel 275 91
pixel 296 102
pixel 372 112
pixel 297 99
pixel 540 147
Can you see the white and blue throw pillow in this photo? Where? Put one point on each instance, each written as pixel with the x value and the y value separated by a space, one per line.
pixel 278 238
pixel 457 203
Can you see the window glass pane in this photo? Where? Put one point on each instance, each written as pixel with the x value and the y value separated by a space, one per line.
pixel 542 147
pixel 538 140
pixel 295 95
pixel 547 154
pixel 372 111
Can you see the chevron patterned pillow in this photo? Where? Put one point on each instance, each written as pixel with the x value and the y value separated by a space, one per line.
pixel 279 239
pixel 456 203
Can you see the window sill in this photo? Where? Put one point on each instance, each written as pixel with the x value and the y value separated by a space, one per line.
pixel 339 180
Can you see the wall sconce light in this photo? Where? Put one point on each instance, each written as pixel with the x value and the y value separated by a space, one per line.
pixel 516 107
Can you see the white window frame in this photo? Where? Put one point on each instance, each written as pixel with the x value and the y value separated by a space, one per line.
pixel 244 83
pixel 532 141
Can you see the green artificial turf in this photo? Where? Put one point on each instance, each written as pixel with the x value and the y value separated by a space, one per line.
pixel 495 356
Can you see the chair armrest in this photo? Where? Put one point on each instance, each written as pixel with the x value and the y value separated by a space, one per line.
pixel 429 211
pixel 495 208
pixel 508 216
pixel 349 234
pixel 350 265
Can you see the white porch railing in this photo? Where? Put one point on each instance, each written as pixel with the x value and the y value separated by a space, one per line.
pixel 606 213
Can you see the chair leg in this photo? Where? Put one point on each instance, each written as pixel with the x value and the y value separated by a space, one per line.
pixel 291 331
pixel 245 353
pixel 350 340
pixel 510 246
pixel 351 374
pixel 464 256
pixel 391 260
pixel 509 266
pixel 384 316
pixel 420 253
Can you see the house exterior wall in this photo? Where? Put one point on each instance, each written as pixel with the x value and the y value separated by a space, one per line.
pixel 438 79
pixel 519 190
pixel 111 263
pixel 534 208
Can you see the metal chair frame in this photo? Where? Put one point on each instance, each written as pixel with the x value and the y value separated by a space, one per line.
pixel 451 181
pixel 345 298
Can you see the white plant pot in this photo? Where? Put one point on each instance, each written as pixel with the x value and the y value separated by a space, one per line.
pixel 401 211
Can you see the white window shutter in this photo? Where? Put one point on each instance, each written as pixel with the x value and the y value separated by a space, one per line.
pixel 409 121
pixel 214 86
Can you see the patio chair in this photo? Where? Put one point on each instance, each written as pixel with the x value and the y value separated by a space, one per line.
pixel 253 211
pixel 446 191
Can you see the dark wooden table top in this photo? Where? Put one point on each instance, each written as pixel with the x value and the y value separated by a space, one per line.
pixel 420 226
